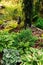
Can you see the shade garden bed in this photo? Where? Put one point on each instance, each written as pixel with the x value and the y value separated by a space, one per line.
pixel 24 41
pixel 21 32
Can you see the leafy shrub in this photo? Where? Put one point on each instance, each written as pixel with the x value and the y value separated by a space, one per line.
pixel 24 40
pixel 32 57
pixel 26 36
pixel 10 57
pixel 21 41
pixel 12 11
pixel 11 25
pixel 39 23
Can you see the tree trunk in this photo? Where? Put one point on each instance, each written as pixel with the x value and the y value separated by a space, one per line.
pixel 28 10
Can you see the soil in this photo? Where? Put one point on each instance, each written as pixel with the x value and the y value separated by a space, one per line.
pixel 38 32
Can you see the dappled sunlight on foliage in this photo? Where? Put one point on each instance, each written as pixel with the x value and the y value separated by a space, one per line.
pixel 21 32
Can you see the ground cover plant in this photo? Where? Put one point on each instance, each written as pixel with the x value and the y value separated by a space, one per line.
pixel 11 57
pixel 21 32
pixel 22 40
pixel 23 43
pixel 31 57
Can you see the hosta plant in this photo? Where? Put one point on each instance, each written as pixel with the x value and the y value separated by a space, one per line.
pixel 22 40
pixel 32 57
pixel 10 57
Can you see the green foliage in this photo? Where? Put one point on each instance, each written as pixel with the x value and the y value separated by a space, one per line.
pixel 1 48
pixel 10 25
pixel 32 57
pixel 11 11
pixel 10 57
pixel 1 22
pixel 22 40
pixel 39 23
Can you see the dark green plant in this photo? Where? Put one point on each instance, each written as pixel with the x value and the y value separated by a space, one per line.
pixel 39 23
pixel 22 40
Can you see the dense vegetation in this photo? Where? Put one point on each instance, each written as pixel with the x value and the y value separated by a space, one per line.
pixel 18 44
pixel 22 40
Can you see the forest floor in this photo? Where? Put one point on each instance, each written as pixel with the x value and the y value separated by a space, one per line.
pixel 39 33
